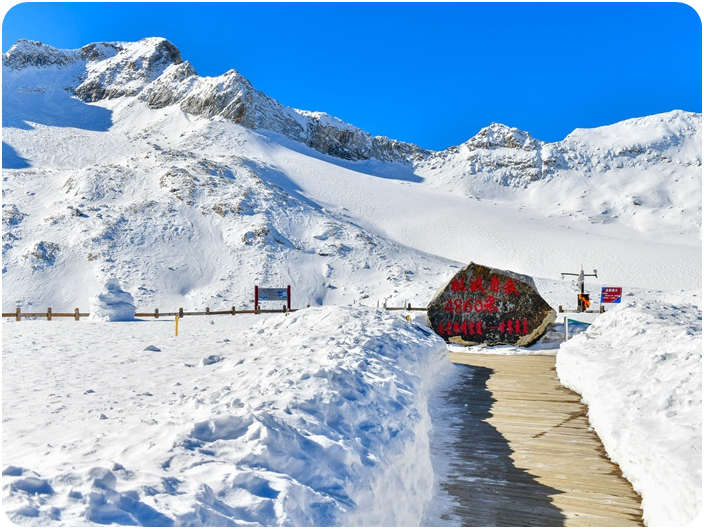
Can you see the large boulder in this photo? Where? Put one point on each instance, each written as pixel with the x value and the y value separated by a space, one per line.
pixel 485 305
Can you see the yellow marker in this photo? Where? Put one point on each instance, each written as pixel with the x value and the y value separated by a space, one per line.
pixel 176 325
pixel 408 317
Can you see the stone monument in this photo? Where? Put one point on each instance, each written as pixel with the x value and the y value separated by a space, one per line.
pixel 485 305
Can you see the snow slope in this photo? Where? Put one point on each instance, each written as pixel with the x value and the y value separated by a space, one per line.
pixel 193 209
pixel 119 161
pixel 316 418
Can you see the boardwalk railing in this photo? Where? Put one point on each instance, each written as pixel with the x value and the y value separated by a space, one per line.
pixel 77 314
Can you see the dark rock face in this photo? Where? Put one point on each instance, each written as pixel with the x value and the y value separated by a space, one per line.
pixel 30 53
pixel 125 69
pixel 484 305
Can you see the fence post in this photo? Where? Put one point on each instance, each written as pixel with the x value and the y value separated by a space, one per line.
pixel 284 308
pixel 180 312
pixel 77 315
pixel 48 314
pixel 18 314
pixel 257 309
pixel 233 310
pixel 408 307
pixel 156 314
pixel 207 310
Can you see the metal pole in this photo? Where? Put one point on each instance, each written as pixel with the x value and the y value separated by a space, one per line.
pixel 567 326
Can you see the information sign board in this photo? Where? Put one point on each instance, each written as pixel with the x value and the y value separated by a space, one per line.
pixel 272 294
pixel 611 294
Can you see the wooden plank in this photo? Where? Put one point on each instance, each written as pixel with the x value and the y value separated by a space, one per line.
pixel 530 458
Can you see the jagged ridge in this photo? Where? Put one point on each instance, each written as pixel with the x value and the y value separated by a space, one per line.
pixel 153 69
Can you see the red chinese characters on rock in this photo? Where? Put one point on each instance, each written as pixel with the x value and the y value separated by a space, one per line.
pixel 466 328
pixel 458 285
pixel 510 287
pixel 511 327
pixel 481 304
pixel 470 328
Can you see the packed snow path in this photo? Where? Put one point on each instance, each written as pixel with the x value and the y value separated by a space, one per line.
pixel 525 453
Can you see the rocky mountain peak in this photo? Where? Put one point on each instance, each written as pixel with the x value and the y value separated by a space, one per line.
pixel 152 70
pixel 497 135
pixel 31 53
pixel 128 71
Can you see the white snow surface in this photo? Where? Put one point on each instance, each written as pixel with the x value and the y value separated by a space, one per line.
pixel 113 304
pixel 639 370
pixel 124 423
pixel 315 418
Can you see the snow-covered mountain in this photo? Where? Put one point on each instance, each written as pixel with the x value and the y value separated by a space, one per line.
pixel 119 160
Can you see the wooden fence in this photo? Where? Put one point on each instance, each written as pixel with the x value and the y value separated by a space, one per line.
pixel 77 314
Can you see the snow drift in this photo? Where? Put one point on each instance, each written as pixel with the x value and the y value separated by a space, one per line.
pixel 316 418
pixel 114 304
pixel 638 368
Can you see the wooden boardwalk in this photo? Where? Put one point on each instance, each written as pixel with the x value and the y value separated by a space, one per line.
pixel 526 455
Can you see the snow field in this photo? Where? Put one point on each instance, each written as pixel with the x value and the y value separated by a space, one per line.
pixel 638 368
pixel 316 418
pixel 319 418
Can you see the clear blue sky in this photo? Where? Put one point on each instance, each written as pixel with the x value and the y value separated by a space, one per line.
pixel 429 73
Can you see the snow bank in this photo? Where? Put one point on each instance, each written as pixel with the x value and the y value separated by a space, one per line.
pixel 317 418
pixel 639 370
pixel 112 305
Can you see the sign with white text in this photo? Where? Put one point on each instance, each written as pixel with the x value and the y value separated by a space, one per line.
pixel 272 294
pixel 611 294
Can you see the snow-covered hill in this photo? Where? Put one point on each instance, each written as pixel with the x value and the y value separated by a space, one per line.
pixel 119 160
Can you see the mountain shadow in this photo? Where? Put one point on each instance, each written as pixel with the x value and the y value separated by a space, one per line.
pixel 11 159
pixel 53 108
pixel 370 167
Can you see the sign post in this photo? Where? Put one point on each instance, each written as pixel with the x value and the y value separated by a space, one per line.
pixel 582 298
